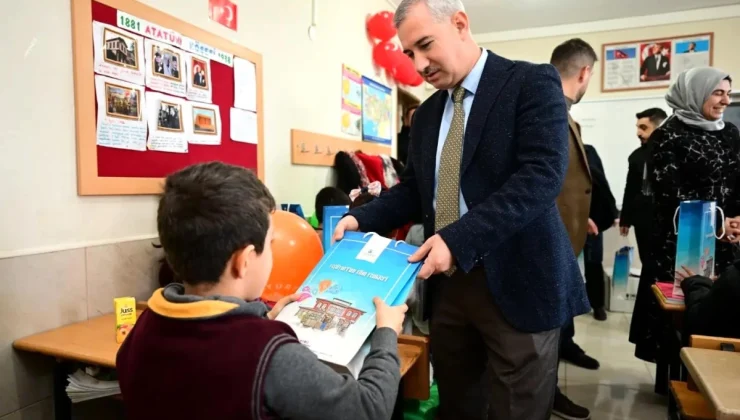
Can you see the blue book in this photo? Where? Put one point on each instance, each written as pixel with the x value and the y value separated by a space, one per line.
pixel 335 313
pixel 696 230
pixel 332 216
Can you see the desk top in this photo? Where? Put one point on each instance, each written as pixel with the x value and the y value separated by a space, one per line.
pixel 717 375
pixel 664 304
pixel 94 342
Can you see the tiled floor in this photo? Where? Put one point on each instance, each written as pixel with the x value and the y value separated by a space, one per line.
pixel 623 387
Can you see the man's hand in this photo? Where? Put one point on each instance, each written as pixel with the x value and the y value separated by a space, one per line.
pixel 592 229
pixel 389 316
pixel 624 230
pixel 279 305
pixel 348 223
pixel 438 257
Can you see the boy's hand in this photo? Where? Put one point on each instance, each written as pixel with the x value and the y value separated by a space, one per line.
pixel 279 305
pixel 389 316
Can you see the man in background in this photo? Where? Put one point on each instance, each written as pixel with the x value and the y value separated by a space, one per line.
pixel 402 146
pixel 637 204
pixel 574 59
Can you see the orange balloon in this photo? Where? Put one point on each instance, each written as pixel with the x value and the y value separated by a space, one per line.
pixel 296 249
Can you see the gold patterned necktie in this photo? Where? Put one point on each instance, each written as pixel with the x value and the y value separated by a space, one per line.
pixel 448 182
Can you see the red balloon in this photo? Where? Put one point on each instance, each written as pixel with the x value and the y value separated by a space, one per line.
pixel 406 74
pixel 383 54
pixel 380 26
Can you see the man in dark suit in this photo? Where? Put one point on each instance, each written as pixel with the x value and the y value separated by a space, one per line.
pixel 488 155
pixel 655 67
pixel 637 203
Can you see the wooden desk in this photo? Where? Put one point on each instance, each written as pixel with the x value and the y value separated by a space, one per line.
pixel 94 342
pixel 717 375
pixel 664 304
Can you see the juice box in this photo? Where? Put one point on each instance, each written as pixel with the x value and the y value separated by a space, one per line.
pixel 125 308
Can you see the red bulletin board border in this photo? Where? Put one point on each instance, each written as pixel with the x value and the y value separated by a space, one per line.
pixel 108 171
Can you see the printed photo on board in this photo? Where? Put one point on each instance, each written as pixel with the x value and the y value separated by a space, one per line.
pixel 120 49
pixel 693 46
pixel 655 61
pixel 166 63
pixel 170 117
pixel 200 75
pixel 204 121
pixel 122 102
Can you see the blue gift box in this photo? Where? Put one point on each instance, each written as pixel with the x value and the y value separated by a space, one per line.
pixel 332 216
pixel 696 229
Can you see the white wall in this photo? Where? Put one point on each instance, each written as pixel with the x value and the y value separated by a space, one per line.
pixel 39 206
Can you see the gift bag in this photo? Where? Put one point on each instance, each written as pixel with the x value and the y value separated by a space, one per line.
pixel 695 224
pixel 621 288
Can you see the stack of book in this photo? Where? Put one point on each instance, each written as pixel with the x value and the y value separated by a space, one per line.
pixel 335 313
pixel 92 383
pixel 667 289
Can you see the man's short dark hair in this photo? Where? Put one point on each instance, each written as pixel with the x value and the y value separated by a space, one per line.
pixel 208 212
pixel 329 196
pixel 656 115
pixel 571 56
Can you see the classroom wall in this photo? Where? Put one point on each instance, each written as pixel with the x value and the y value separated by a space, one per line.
pixel 302 82
pixel 64 257
pixel 726 32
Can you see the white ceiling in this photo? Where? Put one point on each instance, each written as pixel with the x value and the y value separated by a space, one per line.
pixel 506 15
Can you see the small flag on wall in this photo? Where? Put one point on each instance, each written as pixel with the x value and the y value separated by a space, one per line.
pixel 223 12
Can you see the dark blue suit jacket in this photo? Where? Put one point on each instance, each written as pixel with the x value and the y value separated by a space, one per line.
pixel 514 161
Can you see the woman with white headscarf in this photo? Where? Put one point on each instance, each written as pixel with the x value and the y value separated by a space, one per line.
pixel 694 156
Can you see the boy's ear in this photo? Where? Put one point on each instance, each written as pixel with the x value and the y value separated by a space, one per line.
pixel 240 261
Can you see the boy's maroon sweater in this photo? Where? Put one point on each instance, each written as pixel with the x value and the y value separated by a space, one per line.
pixel 198 360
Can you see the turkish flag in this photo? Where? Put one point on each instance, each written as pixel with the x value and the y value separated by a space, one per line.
pixel 223 12
pixel 619 54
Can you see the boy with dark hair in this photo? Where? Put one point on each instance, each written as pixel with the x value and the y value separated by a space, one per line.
pixel 328 196
pixel 208 348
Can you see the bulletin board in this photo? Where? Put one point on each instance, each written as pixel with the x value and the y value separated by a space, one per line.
pixel 115 171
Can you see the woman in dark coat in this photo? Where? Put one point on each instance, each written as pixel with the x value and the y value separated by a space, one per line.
pixel 694 156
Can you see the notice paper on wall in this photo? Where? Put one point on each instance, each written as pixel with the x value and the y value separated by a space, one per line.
pixel 245 85
pixel 121 114
pixel 118 53
pixel 243 126
pixel 165 70
pixel 168 118
pixel 206 128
